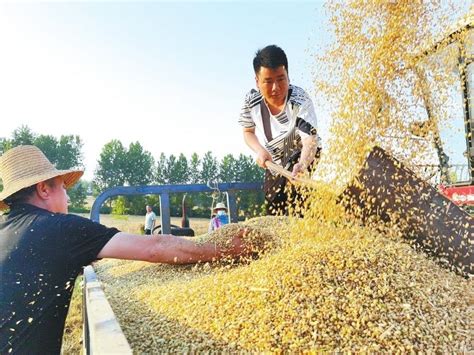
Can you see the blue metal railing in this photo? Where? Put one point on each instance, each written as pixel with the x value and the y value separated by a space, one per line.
pixel 165 190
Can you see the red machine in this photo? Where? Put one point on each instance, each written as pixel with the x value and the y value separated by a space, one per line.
pixel 459 189
pixel 460 195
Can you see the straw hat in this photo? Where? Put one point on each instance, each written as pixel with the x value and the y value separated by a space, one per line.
pixel 220 206
pixel 26 165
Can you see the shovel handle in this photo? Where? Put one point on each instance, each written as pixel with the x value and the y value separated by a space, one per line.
pixel 287 174
pixel 278 169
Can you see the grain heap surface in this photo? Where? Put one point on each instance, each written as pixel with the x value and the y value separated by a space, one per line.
pixel 341 287
pixel 261 234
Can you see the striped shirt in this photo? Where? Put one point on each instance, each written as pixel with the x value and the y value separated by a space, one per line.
pixel 296 122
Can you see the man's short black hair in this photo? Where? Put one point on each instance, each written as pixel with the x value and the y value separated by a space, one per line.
pixel 20 196
pixel 25 194
pixel 271 57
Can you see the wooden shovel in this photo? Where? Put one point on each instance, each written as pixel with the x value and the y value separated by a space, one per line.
pixel 283 172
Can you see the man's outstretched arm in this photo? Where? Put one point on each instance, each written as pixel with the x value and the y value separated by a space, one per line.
pixel 167 249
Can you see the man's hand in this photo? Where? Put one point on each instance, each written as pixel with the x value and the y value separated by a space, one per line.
pixel 252 141
pixel 308 153
pixel 262 156
pixel 238 245
pixel 298 168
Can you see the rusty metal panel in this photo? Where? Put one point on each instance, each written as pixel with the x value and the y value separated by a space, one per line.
pixel 386 190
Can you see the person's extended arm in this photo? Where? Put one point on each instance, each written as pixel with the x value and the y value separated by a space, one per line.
pixel 166 249
pixel 308 153
pixel 252 141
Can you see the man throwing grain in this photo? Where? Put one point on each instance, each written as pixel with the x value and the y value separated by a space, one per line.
pixel 43 249
pixel 283 114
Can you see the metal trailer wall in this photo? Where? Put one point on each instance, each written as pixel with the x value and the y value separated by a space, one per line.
pixel 101 331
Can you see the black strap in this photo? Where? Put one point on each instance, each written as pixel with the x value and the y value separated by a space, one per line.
pixel 266 117
pixel 266 120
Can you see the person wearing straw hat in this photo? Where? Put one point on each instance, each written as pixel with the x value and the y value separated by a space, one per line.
pixel 43 249
pixel 283 116
pixel 220 217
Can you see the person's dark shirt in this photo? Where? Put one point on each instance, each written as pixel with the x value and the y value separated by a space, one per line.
pixel 41 254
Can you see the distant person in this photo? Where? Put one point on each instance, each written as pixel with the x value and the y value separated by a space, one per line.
pixel 43 249
pixel 150 219
pixel 284 117
pixel 219 218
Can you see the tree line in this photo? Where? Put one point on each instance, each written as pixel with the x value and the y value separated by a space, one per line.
pixel 64 152
pixel 119 165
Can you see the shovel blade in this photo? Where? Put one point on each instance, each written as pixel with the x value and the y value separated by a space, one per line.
pixel 385 190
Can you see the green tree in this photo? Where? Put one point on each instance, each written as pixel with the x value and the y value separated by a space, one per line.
pixel 180 173
pixel 196 200
pixel 248 170
pixel 139 165
pixel 209 170
pixel 169 169
pixel 88 186
pixel 119 166
pixel 65 153
pixel 209 173
pixel 176 173
pixel 228 169
pixel 120 205
pixel 138 171
pixel 78 196
pixel 5 144
pixel 249 202
pixel 194 169
pixel 23 135
pixel 111 166
pixel 49 146
pixel 134 205
pixel 69 153
pixel 160 169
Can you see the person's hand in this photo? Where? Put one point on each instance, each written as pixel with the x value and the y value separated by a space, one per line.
pixel 298 169
pixel 262 157
pixel 238 246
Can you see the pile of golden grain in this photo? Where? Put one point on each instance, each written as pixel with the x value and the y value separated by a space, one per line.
pixel 331 287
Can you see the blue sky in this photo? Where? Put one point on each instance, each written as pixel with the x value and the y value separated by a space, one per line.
pixel 171 75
